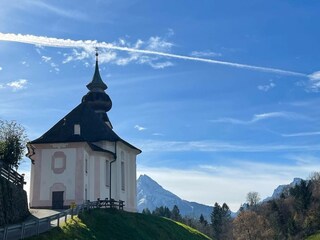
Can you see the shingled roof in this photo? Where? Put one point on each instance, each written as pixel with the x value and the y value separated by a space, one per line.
pixel 93 128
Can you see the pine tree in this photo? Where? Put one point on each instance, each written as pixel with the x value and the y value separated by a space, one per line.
pixel 175 213
pixel 201 219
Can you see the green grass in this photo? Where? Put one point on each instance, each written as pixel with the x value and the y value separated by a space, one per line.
pixel 120 225
pixel 314 237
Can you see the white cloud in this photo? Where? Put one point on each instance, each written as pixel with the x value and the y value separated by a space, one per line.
pixel 111 56
pixel 53 65
pixel 161 65
pixel 159 44
pixel 140 128
pixel 266 87
pixel 206 53
pixel 259 117
pixel 18 85
pixel 1 86
pixel 0 68
pixel 45 58
pixel 25 63
pixel 315 76
pixel 314 83
pixel 68 43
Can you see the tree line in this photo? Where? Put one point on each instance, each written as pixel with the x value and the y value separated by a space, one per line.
pixel 294 215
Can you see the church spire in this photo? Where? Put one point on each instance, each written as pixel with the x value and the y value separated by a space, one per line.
pixel 96 80
pixel 97 98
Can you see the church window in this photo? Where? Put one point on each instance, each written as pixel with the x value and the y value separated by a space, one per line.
pixel 77 130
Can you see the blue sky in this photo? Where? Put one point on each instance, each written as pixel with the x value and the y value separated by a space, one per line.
pixel 184 83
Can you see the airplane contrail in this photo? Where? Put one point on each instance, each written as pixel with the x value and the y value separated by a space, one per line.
pixel 68 43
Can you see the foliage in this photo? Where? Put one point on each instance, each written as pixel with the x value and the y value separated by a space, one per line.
pixel 12 143
pixel 314 237
pixel 162 212
pixel 302 195
pixel 175 213
pixel 249 226
pixel 114 224
pixel 253 198
pixel 221 221
pixel 295 215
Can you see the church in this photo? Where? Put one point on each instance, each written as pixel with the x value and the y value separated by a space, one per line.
pixel 81 158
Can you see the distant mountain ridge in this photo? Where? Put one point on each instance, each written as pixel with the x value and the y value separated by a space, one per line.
pixel 151 195
pixel 283 189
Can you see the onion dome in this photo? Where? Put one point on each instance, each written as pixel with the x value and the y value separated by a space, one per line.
pixel 97 98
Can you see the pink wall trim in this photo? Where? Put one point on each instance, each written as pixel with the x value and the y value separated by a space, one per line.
pixel 79 176
pixel 36 174
pixel 58 154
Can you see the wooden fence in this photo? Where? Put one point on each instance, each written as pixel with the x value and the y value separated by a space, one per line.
pixel 35 227
pixel 11 175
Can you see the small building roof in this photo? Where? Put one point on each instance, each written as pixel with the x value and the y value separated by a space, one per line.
pixel 92 128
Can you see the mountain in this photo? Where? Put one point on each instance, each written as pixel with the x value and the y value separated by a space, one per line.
pixel 283 189
pixel 151 195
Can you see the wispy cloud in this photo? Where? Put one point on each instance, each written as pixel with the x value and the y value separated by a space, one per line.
pixel 24 63
pixel 314 83
pixel 18 85
pixel 217 146
pixel 111 56
pixel 266 87
pixel 45 58
pixel 260 117
pixel 157 134
pixel 301 134
pixel 68 13
pixel 68 43
pixel 206 53
pixel 140 128
pixel 0 68
pixel 48 60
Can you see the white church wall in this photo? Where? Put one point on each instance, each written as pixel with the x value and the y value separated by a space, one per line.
pixel 49 178
pixel 128 157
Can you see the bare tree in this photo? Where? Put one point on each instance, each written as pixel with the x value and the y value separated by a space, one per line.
pixel 250 226
pixel 253 198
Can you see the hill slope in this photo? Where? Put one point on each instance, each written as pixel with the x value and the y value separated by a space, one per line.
pixel 151 195
pixel 115 224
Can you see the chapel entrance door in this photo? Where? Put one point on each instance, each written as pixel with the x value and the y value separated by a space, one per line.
pixel 57 200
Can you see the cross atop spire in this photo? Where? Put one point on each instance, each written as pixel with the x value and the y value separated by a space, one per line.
pixel 96 54
pixel 97 82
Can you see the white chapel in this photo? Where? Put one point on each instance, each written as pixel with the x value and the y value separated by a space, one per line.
pixel 81 158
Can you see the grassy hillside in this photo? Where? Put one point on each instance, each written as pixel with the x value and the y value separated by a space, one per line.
pixel 314 237
pixel 114 224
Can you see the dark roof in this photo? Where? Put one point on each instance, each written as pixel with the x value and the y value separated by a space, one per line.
pixel 92 128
